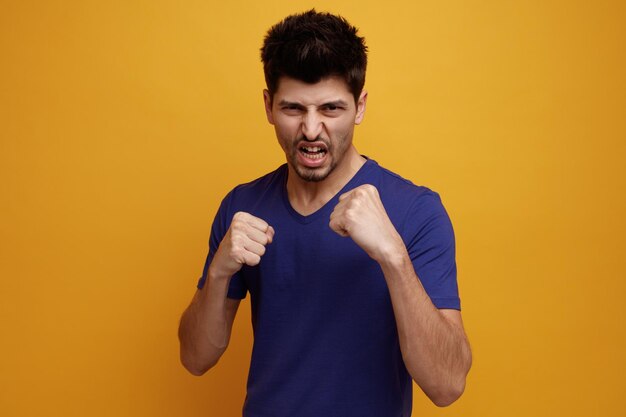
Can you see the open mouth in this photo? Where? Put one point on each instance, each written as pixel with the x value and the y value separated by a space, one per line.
pixel 313 152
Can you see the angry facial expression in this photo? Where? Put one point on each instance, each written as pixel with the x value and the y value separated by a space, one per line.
pixel 314 123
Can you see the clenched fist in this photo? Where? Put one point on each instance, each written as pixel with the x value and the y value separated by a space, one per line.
pixel 361 215
pixel 244 243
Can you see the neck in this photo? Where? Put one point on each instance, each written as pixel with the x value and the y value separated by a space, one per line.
pixel 306 197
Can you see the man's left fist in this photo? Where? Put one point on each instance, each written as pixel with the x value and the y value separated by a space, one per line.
pixel 361 215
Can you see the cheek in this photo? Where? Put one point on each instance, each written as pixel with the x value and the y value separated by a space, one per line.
pixel 287 128
pixel 342 132
pixel 285 140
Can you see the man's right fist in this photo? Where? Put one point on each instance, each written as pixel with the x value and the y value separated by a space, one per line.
pixel 244 243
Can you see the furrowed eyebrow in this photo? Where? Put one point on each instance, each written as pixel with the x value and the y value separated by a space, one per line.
pixel 289 103
pixel 336 103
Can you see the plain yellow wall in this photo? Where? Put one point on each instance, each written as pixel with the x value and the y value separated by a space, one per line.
pixel 124 123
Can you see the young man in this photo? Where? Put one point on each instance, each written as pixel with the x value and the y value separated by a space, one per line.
pixel 350 268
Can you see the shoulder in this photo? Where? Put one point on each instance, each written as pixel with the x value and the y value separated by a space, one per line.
pixel 259 186
pixel 399 191
pixel 412 208
pixel 265 190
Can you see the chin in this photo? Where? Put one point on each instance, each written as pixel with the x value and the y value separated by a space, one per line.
pixel 313 175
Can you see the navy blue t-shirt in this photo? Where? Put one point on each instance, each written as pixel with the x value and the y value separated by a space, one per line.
pixel 325 337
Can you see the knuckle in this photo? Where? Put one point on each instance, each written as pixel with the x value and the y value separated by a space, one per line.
pixel 370 189
pixel 235 253
pixel 236 240
pixel 241 216
pixel 236 226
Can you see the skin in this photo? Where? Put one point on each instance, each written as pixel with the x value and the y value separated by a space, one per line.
pixel 311 113
pixel 433 343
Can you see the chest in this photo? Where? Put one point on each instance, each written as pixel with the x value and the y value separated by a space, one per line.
pixel 310 263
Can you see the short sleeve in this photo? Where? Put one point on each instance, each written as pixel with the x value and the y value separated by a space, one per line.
pixel 432 251
pixel 237 288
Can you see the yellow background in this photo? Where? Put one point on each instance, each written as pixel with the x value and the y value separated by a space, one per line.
pixel 124 123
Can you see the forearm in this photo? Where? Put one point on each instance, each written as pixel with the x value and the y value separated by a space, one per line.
pixel 433 343
pixel 205 326
pixel 434 348
pixel 204 329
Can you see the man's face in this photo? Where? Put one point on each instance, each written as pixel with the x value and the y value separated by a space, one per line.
pixel 314 123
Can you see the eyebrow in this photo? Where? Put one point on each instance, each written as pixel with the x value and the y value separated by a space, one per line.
pixel 337 103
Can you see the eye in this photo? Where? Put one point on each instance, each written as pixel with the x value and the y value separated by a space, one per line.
pixel 332 109
pixel 291 108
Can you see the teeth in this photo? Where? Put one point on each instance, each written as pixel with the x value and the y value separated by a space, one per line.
pixel 313 149
pixel 315 156
pixel 313 152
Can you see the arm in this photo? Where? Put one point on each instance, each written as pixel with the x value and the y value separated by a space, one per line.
pixel 205 326
pixel 433 343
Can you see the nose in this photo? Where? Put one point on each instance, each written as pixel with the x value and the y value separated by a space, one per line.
pixel 311 125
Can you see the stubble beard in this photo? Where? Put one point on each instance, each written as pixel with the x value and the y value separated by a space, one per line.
pixel 314 174
pixel 318 174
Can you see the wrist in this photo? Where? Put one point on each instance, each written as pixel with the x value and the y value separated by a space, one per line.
pixel 395 257
pixel 215 286
pixel 391 251
pixel 215 274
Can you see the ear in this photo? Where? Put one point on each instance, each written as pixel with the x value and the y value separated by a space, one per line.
pixel 360 108
pixel 267 100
